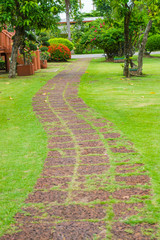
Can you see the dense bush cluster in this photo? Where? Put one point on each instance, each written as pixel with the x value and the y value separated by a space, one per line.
pixel 59 52
pixel 153 43
pixel 63 41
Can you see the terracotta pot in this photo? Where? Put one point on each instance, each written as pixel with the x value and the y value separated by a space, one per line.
pixel 25 70
pixel 43 63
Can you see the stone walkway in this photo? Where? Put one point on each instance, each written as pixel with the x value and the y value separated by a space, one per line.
pixel 92 181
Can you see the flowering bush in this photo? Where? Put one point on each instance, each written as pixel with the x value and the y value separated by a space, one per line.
pixel 59 52
pixel 63 41
pixel 104 36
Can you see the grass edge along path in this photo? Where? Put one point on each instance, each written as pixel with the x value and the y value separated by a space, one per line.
pixel 23 140
pixel 132 105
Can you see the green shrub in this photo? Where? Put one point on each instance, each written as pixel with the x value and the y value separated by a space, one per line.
pixel 43 34
pixel 63 41
pixel 59 52
pixel 2 65
pixel 31 36
pixel 43 48
pixel 43 40
pixel 46 43
pixel 153 43
pixel 44 55
pixel 32 47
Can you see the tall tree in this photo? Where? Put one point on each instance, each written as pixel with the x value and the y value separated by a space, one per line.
pixel 153 14
pixel 71 9
pixel 24 15
pixel 67 4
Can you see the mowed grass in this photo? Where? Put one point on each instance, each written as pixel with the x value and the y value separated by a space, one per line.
pixel 133 105
pixel 23 142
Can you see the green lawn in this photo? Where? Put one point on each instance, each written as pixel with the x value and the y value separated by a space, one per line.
pixel 133 105
pixel 23 142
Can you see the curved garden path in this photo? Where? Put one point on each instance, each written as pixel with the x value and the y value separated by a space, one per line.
pixel 89 184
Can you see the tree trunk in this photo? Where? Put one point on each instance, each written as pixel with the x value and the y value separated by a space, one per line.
pixel 126 43
pixel 67 2
pixel 142 47
pixel 16 43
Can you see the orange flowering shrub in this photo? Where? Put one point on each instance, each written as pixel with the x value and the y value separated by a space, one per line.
pixel 59 52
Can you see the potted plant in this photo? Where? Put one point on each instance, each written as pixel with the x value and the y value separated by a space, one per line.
pixel 27 53
pixel 44 56
pixel 27 68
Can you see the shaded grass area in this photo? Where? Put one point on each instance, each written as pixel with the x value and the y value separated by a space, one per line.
pixel 133 106
pixel 22 139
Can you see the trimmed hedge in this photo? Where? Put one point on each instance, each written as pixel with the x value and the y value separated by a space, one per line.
pixel 153 43
pixel 59 52
pixel 63 41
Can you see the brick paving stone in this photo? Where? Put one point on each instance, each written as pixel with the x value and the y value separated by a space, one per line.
pixel 57 171
pixel 61 145
pixel 75 212
pixel 52 161
pixel 60 139
pixel 88 196
pixel 90 144
pixel 88 151
pixel 49 196
pixel 92 169
pixel 94 159
pixel 87 137
pixel 79 230
pixel 48 183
